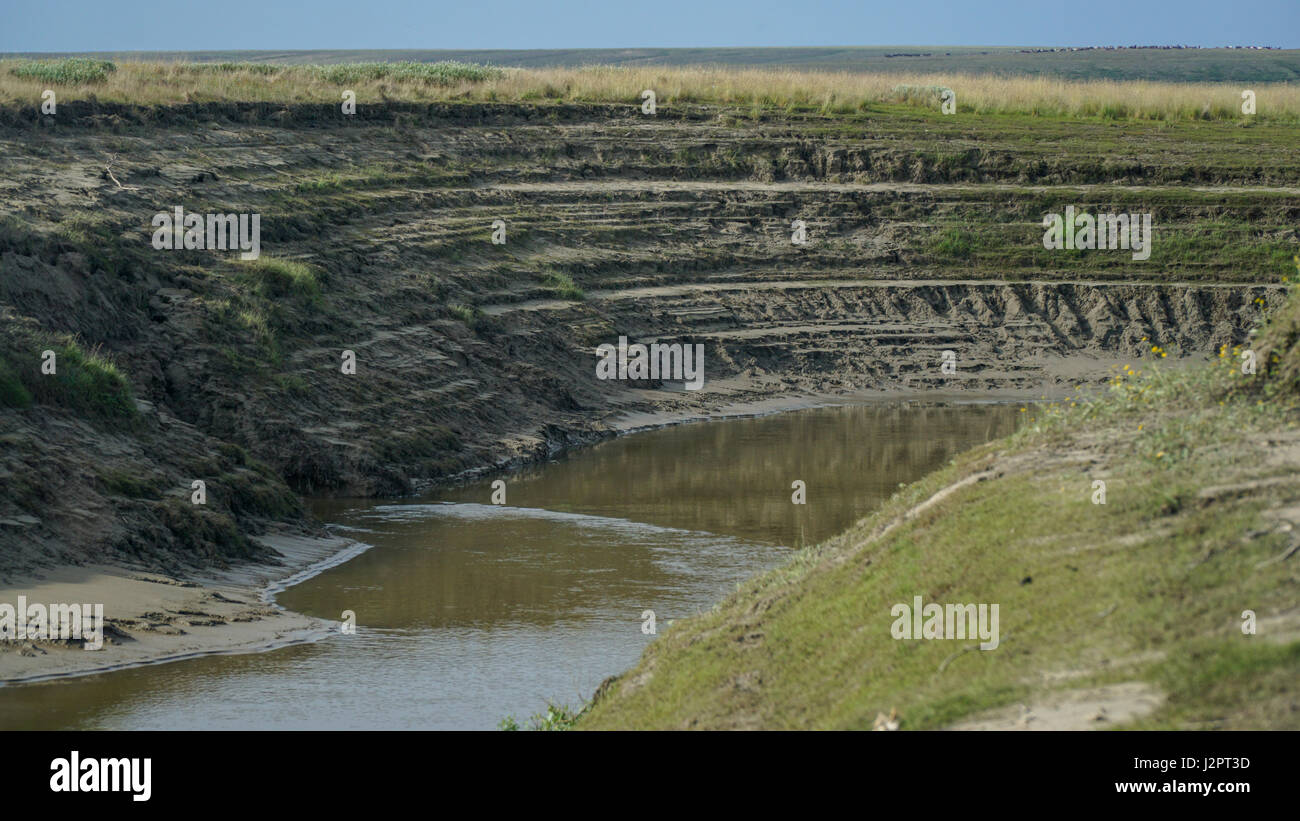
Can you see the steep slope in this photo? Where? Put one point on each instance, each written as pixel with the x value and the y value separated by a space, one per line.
pixel 924 236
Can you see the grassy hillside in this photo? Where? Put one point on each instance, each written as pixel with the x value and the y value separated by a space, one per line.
pixel 1128 612
pixel 1166 65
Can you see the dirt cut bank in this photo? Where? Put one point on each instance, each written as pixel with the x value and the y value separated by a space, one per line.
pixel 377 240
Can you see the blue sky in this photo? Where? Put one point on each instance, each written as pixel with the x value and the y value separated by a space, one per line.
pixel 131 25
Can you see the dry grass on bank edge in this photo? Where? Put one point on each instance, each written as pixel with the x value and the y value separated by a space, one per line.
pixel 827 92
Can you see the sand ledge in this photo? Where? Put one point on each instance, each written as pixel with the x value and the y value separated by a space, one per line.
pixel 150 618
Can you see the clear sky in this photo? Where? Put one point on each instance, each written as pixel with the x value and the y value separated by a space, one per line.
pixel 165 25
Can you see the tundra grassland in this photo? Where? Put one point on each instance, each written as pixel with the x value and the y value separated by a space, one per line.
pixel 761 89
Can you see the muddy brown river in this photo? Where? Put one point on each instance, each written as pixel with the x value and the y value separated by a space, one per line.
pixel 469 611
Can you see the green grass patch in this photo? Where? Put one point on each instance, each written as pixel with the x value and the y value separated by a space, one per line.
pixel 472 316
pixel 263 69
pixel 97 236
pixel 425 443
pixel 13 394
pixel 69 71
pixel 443 72
pixel 563 285
pixel 274 278
pixel 954 243
pixel 85 381
pixel 557 718
pixel 129 484
pixel 292 384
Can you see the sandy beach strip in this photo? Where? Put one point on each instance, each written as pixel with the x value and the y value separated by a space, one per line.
pixel 151 618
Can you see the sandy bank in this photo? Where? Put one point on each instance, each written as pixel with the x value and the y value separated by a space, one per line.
pixel 151 618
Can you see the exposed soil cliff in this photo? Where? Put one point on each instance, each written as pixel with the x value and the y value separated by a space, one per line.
pixel 376 238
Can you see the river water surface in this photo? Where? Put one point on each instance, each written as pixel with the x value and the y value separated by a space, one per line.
pixel 468 611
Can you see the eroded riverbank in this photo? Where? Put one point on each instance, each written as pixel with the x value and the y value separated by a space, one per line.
pixel 924 236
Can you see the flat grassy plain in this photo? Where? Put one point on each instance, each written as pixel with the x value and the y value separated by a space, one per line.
pixel 829 92
pixel 1167 65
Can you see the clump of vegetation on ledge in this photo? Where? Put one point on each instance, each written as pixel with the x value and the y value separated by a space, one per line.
pixel 86 381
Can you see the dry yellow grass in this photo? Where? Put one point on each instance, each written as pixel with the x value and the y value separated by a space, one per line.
pixel 829 92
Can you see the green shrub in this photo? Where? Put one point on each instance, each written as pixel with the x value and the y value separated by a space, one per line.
pixel 233 453
pixel 292 384
pixel 472 316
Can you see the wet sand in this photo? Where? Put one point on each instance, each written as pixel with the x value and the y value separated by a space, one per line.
pixel 151 618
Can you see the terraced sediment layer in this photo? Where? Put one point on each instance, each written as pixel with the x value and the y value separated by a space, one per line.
pixel 924 235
